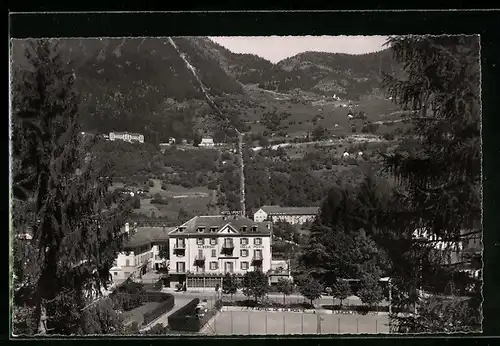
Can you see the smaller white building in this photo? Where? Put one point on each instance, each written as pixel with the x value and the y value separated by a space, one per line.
pixel 292 215
pixel 126 137
pixel 141 252
pixel 207 142
pixel 280 269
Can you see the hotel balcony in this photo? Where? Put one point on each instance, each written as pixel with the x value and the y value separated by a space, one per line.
pixel 228 245
pixel 199 260
pixel 179 248
pixel 257 260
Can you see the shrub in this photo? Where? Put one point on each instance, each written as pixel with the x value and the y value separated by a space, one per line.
pixel 157 199
pixel 151 183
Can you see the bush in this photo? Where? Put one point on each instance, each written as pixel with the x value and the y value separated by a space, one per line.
pixel 157 199
pixel 151 183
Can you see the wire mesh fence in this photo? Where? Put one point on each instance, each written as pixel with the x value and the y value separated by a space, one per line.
pixel 245 322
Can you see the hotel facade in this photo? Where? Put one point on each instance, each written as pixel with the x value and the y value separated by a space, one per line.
pixel 205 248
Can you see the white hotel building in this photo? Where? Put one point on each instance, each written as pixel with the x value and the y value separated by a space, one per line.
pixel 126 136
pixel 204 248
pixel 141 252
pixel 292 215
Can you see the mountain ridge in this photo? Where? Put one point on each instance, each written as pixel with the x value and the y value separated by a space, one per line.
pixel 143 85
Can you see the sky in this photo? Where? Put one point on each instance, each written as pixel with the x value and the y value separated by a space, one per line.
pixel 276 48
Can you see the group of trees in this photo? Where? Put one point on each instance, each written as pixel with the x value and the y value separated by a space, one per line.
pixel 367 231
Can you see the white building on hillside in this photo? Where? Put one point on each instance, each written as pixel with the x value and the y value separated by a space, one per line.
pixel 292 215
pixel 126 136
pixel 204 248
pixel 280 269
pixel 207 142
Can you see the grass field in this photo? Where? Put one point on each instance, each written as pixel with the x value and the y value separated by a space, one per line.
pixel 193 201
pixel 302 114
pixel 279 323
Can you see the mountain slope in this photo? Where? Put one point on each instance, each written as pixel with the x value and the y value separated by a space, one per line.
pixel 348 76
pixel 141 85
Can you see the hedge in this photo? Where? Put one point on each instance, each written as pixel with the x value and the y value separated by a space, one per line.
pixel 164 307
pixel 166 300
pixel 185 318
pixel 268 304
pixel 363 308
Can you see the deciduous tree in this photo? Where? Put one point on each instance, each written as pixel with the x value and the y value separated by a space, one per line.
pixel 255 284
pixel 341 290
pixel 285 286
pixel 311 289
pixel 229 284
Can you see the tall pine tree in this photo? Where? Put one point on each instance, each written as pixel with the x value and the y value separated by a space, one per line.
pixel 75 238
pixel 440 173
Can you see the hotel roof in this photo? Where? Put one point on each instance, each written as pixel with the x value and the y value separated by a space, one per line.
pixel 231 224
pixel 147 235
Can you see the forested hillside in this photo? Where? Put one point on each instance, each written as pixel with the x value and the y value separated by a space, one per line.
pixel 141 85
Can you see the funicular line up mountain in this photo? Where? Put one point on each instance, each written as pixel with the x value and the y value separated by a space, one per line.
pixel 222 117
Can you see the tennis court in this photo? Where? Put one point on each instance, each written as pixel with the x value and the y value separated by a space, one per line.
pixel 278 322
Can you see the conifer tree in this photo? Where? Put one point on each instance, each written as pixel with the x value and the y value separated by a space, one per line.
pixel 74 237
pixel 439 172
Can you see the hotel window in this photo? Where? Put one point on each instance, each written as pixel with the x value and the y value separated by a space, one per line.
pixel 201 229
pixel 213 265
pixel 257 254
pixel 257 241
pixel 214 253
pixel 181 267
pixel 127 263
pixel 200 241
pixel 243 229
pixel 180 243
pixel 213 229
pixel 254 228
pixel 244 265
pixel 244 253
pixel 213 241
pixel 244 241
